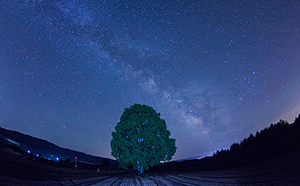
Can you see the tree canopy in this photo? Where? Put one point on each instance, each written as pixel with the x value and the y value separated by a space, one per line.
pixel 141 138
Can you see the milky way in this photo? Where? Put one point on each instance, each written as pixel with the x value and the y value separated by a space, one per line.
pixel 216 71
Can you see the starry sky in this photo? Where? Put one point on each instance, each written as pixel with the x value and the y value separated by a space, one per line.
pixel 215 70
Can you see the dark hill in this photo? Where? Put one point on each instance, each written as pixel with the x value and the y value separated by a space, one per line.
pixel 276 141
pixel 46 149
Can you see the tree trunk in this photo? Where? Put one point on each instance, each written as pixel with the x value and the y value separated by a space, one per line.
pixel 141 171
pixel 140 168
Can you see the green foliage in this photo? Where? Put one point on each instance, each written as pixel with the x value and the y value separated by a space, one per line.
pixel 141 135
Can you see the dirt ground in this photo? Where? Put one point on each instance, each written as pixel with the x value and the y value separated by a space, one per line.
pixel 16 170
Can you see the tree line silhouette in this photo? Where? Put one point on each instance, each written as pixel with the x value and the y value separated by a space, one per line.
pixel 275 141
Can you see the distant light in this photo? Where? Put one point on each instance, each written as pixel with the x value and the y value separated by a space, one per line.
pixel 37 155
pixel 57 159
pixel 75 162
pixel 28 151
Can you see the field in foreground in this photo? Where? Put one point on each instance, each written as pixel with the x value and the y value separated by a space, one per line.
pixel 280 171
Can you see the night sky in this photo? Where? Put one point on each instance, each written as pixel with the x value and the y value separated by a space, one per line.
pixel 215 70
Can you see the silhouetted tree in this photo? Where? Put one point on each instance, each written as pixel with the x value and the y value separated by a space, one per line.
pixel 276 140
pixel 141 138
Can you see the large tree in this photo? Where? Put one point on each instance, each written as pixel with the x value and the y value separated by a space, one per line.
pixel 141 139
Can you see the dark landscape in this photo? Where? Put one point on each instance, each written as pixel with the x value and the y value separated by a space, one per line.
pixel 271 157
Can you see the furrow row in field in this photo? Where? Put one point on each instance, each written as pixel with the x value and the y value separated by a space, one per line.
pixel 145 181
pixel 108 181
pixel 169 181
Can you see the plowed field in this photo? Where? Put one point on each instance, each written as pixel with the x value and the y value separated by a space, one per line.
pixel 280 171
